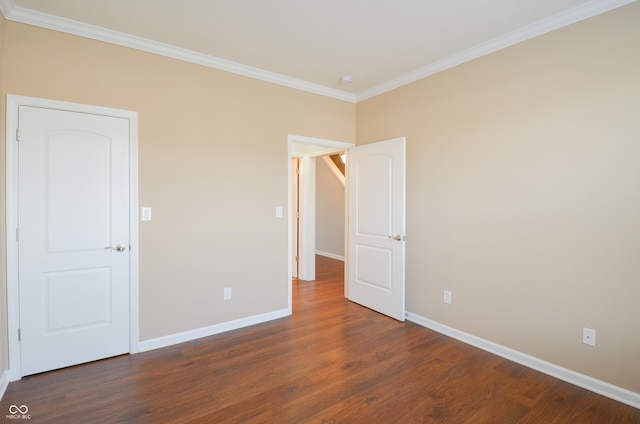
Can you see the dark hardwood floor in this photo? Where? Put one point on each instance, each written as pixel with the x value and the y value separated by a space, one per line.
pixel 331 362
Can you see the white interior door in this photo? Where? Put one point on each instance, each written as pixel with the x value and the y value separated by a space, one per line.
pixel 376 267
pixel 74 237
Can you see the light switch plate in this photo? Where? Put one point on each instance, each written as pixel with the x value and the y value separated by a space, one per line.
pixel 146 214
pixel 446 298
pixel 278 211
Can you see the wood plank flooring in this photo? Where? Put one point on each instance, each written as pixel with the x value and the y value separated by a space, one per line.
pixel 331 362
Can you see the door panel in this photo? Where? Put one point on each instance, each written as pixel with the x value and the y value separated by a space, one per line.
pixel 77 211
pixel 374 193
pixel 91 287
pixel 374 266
pixel 73 191
pixel 377 227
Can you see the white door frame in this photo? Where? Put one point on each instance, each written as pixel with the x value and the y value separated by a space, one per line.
pixel 13 312
pixel 295 181
pixel 307 218
pixel 317 147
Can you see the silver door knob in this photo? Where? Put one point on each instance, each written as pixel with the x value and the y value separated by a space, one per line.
pixel 396 238
pixel 118 248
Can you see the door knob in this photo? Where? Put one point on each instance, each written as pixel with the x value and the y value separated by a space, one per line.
pixel 118 248
pixel 396 238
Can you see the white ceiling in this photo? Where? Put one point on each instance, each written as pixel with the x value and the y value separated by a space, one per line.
pixel 310 44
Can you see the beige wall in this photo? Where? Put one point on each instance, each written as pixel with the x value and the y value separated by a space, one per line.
pixel 523 188
pixel 523 183
pixel 212 165
pixel 329 211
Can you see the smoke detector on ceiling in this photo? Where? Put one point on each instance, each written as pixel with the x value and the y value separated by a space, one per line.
pixel 346 79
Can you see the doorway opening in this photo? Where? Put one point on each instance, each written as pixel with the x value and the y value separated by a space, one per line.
pixel 302 222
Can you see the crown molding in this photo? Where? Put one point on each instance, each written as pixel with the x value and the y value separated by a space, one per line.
pixel 56 23
pixel 571 16
pixel 6 6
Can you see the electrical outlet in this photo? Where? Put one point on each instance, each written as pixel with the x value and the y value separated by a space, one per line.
pixel 589 336
pixel 227 293
pixel 447 297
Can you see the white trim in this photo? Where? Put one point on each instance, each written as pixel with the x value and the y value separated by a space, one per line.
pixel 543 26
pixel 332 145
pixel 69 26
pixel 290 225
pixel 198 333
pixel 330 255
pixel 4 383
pixel 603 388
pixel 134 254
pixel 307 219
pixel 6 6
pixel 314 152
pixel 13 313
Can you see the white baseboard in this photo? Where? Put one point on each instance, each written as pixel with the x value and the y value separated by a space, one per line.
pixel 198 333
pixel 609 390
pixel 4 383
pixel 330 255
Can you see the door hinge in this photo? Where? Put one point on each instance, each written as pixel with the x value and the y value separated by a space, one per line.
pixel 297 259
pixel 297 171
pixel 17 234
pixel 19 335
pixel 18 134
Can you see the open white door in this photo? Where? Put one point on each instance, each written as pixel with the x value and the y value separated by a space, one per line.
pixel 376 196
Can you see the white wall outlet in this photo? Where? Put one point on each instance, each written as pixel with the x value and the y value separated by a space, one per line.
pixel 279 212
pixel 589 336
pixel 227 293
pixel 447 297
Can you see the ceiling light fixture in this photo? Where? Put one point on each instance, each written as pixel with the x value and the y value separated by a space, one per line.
pixel 346 79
